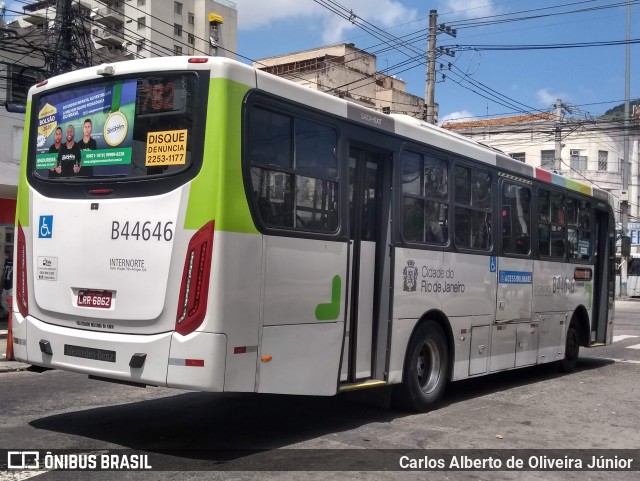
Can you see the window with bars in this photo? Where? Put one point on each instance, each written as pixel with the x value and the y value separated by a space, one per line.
pixel 177 30
pixel 177 8
pixel 191 18
pixel 547 159
pixel 142 22
pixel 177 50
pixel 519 156
pixel 603 160
pixel 190 39
pixel 578 160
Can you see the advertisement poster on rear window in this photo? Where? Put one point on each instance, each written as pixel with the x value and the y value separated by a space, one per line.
pixel 86 131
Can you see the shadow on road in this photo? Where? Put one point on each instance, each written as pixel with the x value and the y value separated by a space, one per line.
pixel 192 423
pixel 480 386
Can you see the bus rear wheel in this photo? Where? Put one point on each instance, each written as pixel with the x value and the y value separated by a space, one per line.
pixel 571 350
pixel 425 370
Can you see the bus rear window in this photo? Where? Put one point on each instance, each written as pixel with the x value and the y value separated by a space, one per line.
pixel 127 128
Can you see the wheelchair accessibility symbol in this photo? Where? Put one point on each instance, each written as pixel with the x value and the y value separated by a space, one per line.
pixel 45 227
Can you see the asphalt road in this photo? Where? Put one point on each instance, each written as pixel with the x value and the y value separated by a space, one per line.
pixel 534 408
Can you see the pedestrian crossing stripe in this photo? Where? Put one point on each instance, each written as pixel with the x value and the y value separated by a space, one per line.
pixel 622 337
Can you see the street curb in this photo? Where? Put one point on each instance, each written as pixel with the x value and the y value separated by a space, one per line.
pixel 17 368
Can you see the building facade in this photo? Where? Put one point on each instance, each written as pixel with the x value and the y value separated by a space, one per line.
pixel 143 28
pixel 348 72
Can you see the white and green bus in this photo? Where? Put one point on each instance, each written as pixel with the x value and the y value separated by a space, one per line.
pixel 195 223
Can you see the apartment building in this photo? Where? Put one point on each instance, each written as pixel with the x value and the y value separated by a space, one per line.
pixel 145 28
pixel 348 72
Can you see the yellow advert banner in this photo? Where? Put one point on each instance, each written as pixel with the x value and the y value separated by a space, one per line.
pixel 166 148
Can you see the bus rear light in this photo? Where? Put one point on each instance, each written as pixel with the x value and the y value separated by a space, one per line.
pixel 194 362
pixel 192 303
pixel 22 288
pixel 198 60
pixel 100 191
pixel 42 84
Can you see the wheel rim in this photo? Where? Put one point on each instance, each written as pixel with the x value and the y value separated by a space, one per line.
pixel 428 366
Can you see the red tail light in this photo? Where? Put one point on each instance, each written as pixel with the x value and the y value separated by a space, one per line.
pixel 22 290
pixel 192 303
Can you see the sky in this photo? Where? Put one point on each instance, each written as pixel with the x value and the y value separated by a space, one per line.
pixel 479 83
pixel 590 79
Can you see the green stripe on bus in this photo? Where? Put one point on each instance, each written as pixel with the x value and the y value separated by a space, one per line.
pixel 22 206
pixel 578 186
pixel 331 310
pixel 218 191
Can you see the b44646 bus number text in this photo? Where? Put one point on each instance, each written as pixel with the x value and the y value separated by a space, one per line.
pixel 142 230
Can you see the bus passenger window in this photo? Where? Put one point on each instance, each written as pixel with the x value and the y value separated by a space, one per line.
pixel 294 171
pixel 425 192
pixel 579 235
pixel 516 219
pixel 413 227
pixel 550 224
pixel 473 208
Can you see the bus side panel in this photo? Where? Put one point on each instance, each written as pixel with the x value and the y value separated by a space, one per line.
pixel 550 309
pixel 578 293
pixel 303 314
pixel 472 278
pixel 416 274
pixel 218 192
pixel 418 283
pixel 236 282
pixel 299 276
pixel 305 359
pixel 22 220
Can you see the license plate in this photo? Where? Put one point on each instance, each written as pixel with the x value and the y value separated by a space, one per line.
pixel 89 353
pixel 99 299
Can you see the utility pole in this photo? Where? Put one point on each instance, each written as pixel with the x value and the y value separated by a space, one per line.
pixel 63 57
pixel 626 168
pixel 557 164
pixel 429 113
pixel 431 68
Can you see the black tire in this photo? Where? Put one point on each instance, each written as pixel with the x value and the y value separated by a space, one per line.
pixel 426 369
pixel 571 350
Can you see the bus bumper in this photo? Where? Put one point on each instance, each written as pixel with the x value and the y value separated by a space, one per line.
pixel 170 360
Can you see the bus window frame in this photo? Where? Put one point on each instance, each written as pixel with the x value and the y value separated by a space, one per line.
pixel 533 251
pixel 591 200
pixel 477 165
pixel 257 99
pixel 123 187
pixel 423 151
pixel 550 188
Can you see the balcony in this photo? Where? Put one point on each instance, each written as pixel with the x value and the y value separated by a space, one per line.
pixel 108 36
pixel 109 15
pixel 40 16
